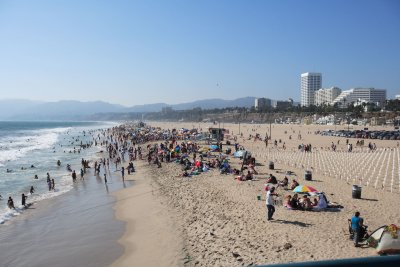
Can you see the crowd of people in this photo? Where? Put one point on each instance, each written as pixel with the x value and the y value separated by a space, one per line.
pixel 125 144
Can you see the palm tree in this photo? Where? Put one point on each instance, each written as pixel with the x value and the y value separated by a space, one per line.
pixel 364 104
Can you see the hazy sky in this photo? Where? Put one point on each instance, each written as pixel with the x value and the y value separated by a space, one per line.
pixel 140 52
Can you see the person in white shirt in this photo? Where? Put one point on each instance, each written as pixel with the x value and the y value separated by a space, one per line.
pixel 270 202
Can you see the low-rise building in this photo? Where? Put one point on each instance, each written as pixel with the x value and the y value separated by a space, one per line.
pixel 262 103
pixel 282 104
pixel 325 96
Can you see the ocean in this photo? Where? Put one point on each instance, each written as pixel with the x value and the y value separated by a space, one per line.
pixel 73 225
pixel 33 148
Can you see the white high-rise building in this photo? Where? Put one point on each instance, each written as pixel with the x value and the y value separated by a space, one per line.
pixel 355 95
pixel 326 96
pixel 310 82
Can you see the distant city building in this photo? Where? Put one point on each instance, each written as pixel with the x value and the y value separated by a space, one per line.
pixel 356 95
pixel 284 104
pixel 310 82
pixel 262 103
pixel 325 96
pixel 397 97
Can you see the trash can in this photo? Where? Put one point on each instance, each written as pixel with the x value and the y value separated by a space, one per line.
pixel 271 165
pixel 258 197
pixel 308 175
pixel 356 191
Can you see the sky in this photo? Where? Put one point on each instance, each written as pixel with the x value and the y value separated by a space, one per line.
pixel 142 52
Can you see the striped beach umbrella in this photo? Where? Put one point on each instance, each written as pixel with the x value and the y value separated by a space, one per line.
pixel 304 189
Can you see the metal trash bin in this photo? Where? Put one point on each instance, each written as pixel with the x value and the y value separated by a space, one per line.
pixel 271 165
pixel 356 193
pixel 308 175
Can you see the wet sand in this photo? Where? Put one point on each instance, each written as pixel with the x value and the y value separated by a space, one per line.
pixel 75 229
pixel 151 237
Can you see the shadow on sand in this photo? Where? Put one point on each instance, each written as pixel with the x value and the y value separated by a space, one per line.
pixel 369 199
pixel 318 181
pixel 297 223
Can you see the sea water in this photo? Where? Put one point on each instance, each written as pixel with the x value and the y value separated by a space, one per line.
pixel 33 148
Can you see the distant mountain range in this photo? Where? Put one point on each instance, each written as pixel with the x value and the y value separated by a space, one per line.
pixel 20 109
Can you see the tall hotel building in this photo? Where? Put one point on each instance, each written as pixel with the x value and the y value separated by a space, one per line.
pixel 310 82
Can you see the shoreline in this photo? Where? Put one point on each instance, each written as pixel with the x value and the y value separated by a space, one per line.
pixel 76 228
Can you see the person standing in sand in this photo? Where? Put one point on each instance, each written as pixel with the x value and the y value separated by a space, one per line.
pixel 356 224
pixel 270 203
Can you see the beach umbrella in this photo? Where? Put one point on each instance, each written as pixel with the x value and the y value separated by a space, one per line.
pixel 304 189
pixel 241 153
pixel 214 147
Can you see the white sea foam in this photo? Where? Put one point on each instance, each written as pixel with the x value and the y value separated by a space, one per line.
pixel 19 146
pixel 14 148
pixel 62 187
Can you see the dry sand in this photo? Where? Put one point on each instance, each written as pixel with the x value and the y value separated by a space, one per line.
pixel 212 219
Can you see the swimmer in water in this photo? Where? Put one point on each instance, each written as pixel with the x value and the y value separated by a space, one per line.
pixel 10 203
pixel 32 190
pixel 23 199
pixel 36 177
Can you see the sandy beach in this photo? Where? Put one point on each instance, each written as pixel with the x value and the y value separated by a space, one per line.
pixel 213 219
pixel 152 236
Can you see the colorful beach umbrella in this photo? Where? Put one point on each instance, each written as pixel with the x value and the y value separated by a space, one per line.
pixel 304 189
pixel 214 147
